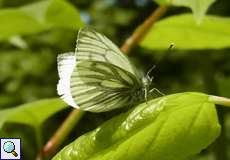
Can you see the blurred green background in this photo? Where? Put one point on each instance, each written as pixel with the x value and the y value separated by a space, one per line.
pixel 31 40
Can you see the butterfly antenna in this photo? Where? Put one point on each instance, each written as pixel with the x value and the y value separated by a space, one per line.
pixel 154 66
pixel 150 70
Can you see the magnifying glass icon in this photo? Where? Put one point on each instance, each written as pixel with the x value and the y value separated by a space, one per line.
pixel 9 147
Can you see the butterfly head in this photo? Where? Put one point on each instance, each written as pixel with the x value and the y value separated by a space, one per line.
pixel 147 80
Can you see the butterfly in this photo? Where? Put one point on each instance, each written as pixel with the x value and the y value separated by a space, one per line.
pixel 98 77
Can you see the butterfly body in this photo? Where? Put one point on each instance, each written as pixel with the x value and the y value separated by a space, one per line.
pixel 98 77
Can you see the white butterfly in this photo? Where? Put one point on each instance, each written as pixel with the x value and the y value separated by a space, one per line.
pixel 98 77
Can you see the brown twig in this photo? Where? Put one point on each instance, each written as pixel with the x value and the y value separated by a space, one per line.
pixel 60 135
pixel 55 141
pixel 141 31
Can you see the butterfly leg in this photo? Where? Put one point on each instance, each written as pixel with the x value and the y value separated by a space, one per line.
pixel 156 90
pixel 146 95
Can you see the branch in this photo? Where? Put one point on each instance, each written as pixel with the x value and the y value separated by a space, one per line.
pixel 61 134
pixel 141 31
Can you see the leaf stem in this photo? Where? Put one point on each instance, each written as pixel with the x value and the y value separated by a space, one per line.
pixel 141 30
pixel 61 134
pixel 220 100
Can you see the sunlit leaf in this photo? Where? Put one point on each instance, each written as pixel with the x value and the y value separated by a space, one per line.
pixel 37 17
pixel 168 128
pixel 198 7
pixel 213 33
pixel 33 114
pixel 18 42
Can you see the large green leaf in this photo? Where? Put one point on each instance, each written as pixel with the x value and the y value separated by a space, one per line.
pixel 168 128
pixel 213 33
pixel 199 7
pixel 37 17
pixel 33 114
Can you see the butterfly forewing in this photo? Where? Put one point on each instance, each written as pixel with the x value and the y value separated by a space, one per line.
pixel 66 65
pixel 94 46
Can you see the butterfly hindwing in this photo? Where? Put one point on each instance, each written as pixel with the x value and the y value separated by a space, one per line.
pixel 100 86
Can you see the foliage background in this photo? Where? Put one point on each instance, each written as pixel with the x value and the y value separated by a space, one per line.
pixel 28 70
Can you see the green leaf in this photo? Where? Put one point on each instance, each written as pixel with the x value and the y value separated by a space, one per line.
pixel 213 33
pixel 167 128
pixel 18 42
pixel 38 17
pixel 198 7
pixel 33 114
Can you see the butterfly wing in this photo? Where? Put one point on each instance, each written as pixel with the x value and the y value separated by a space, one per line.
pixel 66 65
pixel 100 86
pixel 103 78
pixel 94 46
